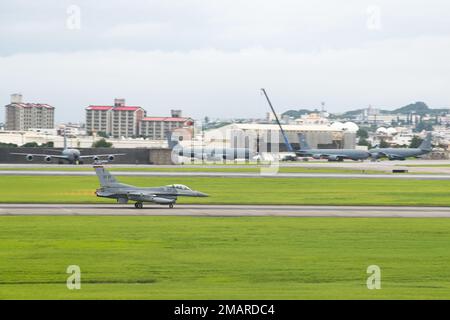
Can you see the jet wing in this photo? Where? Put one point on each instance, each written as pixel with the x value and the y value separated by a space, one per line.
pixel 151 194
pixel 41 155
pixel 157 197
pixel 102 155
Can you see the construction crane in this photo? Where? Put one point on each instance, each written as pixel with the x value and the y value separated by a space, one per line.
pixel 286 141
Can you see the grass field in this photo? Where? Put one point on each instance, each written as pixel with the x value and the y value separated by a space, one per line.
pixel 223 258
pixel 60 189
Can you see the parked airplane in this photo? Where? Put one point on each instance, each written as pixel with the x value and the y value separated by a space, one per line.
pixel 111 188
pixel 329 154
pixel 211 154
pixel 73 156
pixel 306 151
pixel 402 153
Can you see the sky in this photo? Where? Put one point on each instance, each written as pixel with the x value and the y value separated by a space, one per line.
pixel 211 57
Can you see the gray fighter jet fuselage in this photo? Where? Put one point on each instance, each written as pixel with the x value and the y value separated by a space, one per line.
pixel 168 195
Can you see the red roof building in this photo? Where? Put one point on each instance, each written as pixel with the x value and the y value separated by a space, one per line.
pixel 117 120
pixel 120 120
pixel 158 128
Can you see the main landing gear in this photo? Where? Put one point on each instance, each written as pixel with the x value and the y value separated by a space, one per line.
pixel 138 205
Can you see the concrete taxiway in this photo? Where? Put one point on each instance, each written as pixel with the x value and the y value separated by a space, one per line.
pixel 223 211
pixel 262 174
pixel 383 167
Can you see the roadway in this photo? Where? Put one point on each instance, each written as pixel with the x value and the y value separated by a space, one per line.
pixel 223 211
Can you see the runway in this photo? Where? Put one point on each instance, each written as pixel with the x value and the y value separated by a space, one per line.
pixel 262 174
pixel 223 211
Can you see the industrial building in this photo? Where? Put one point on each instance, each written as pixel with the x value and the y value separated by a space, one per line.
pixel 22 116
pixel 269 137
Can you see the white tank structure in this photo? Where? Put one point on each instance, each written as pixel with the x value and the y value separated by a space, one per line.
pixel 381 130
pixel 391 131
pixel 351 127
pixel 338 125
pixel 348 133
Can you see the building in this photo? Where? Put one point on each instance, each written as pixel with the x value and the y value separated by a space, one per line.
pixel 126 121
pixel 313 118
pixel 71 129
pixel 98 119
pixel 118 120
pixel 158 128
pixel 268 138
pixel 22 116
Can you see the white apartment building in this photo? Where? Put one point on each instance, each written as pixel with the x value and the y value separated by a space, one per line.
pixel 22 116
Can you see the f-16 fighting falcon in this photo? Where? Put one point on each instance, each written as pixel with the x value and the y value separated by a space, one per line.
pixel 72 156
pixel 111 188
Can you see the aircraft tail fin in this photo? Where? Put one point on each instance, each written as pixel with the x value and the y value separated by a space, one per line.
pixel 302 141
pixel 105 178
pixel 171 141
pixel 65 139
pixel 426 144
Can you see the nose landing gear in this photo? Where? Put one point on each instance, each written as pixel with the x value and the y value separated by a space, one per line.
pixel 171 205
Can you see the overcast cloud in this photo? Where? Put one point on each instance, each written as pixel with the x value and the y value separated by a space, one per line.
pixel 211 57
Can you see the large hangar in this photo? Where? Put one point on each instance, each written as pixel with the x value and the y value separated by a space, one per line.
pixel 267 135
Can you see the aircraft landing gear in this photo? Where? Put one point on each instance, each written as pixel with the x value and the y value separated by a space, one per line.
pixel 171 205
pixel 138 205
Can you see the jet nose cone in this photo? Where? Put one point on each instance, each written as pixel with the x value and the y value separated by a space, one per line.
pixel 201 194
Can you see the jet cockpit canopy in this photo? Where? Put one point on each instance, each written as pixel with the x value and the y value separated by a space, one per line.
pixel 179 186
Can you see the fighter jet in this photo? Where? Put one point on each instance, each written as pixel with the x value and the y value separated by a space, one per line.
pixel 168 195
pixel 402 153
pixel 72 156
pixel 329 154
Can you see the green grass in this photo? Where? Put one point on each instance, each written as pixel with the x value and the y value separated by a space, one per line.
pixel 223 258
pixel 59 189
